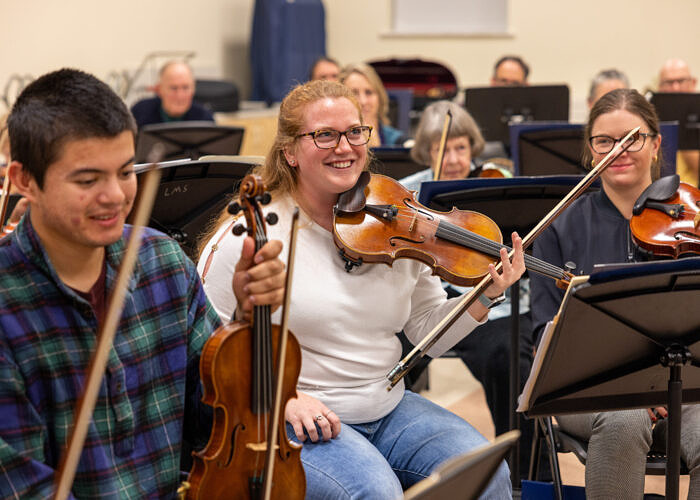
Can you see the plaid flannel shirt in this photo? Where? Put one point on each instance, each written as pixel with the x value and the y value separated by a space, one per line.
pixel 47 335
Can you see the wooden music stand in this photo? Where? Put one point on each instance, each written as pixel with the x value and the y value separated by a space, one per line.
pixel 464 476
pixel 621 340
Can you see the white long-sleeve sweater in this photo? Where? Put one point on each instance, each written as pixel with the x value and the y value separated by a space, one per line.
pixel 346 323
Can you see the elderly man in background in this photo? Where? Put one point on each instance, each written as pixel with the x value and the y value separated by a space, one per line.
pixel 675 76
pixel 173 101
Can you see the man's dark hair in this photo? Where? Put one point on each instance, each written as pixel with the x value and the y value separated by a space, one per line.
pixel 320 60
pixel 58 107
pixel 515 59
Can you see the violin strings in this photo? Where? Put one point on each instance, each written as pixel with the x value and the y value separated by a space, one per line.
pixel 482 244
pixel 263 371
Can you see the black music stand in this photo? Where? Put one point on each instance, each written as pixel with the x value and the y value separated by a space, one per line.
pixel 633 330
pixel 546 148
pixel 555 148
pixel 191 194
pixel 515 204
pixel 394 162
pixel 494 108
pixel 465 476
pixel 685 109
pixel 188 140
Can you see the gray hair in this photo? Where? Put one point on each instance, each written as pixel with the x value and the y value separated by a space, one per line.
pixel 604 76
pixel 431 125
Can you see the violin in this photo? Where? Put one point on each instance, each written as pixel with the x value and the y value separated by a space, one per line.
pixel 388 223
pixel 236 370
pixel 354 209
pixel 666 218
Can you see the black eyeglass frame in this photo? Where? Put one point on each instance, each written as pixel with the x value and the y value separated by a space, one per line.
pixel 340 135
pixel 643 135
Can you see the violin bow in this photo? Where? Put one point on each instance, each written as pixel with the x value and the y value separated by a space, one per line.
pixel 105 337
pixel 403 366
pixel 5 198
pixel 437 168
pixel 281 357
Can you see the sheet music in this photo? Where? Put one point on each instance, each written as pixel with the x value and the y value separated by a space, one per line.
pixel 524 400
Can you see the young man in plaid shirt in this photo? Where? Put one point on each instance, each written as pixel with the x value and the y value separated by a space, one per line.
pixel 72 149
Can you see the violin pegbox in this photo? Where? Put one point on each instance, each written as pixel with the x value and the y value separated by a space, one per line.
pixel 252 195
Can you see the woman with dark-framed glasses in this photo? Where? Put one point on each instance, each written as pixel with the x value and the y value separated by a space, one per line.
pixel 595 230
pixel 360 440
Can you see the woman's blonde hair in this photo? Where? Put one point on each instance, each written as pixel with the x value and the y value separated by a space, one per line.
pixel 373 78
pixel 277 175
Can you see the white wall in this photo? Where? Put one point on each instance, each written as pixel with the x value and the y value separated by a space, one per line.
pixel 563 40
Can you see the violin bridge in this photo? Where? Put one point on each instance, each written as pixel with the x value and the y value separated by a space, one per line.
pixel 413 222
pixel 259 447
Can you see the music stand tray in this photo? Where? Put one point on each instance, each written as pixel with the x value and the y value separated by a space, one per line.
pixel 465 476
pixel 685 109
pixel 621 340
pixel 394 162
pixel 191 194
pixel 494 108
pixel 190 139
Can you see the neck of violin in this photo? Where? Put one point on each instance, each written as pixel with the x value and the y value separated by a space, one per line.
pixel 262 376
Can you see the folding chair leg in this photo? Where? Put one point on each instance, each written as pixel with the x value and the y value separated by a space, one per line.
pixel 554 460
pixel 534 469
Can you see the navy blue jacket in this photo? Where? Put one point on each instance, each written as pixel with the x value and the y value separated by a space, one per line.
pixel 149 111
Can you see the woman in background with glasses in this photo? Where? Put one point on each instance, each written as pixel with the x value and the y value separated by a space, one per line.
pixel 464 142
pixel 360 441
pixel 595 230
pixel 365 83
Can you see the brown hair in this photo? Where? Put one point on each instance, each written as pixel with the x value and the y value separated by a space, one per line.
pixel 431 125
pixel 632 101
pixel 277 175
pixel 373 78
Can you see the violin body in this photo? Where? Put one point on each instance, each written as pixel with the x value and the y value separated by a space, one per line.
pixel 230 465
pixel 412 234
pixel 670 235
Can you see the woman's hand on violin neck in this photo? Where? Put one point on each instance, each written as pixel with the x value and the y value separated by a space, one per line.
pixel 259 277
pixel 511 271
pixel 306 413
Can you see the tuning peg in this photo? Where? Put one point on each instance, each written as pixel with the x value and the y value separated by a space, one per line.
pixel 272 218
pixel 234 207
pixel 265 198
pixel 238 229
pixel 570 266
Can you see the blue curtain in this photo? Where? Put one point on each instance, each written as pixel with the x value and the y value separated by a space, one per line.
pixel 287 37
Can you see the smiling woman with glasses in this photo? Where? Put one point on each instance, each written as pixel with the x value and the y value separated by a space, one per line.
pixel 346 322
pixel 594 230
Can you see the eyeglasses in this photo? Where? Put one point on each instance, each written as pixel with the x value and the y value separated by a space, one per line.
pixel 329 138
pixel 675 81
pixel 603 144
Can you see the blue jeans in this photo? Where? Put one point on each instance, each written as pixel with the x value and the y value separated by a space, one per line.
pixel 377 460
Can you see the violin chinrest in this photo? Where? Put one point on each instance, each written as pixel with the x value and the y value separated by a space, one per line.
pixel 659 190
